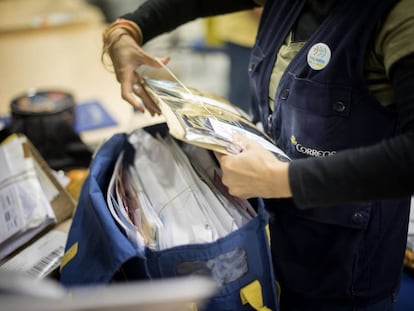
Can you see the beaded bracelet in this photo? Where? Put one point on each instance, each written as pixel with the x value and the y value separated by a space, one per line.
pixel 131 29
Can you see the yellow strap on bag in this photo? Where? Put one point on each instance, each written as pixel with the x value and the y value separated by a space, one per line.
pixel 252 294
pixel 69 255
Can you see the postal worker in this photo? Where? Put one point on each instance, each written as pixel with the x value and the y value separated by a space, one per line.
pixel 333 81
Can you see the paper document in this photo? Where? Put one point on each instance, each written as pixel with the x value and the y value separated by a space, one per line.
pixel 160 199
pixel 117 209
pixel 25 209
pixel 40 258
pixel 201 118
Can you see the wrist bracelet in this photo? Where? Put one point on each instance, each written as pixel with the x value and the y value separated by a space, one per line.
pixel 131 29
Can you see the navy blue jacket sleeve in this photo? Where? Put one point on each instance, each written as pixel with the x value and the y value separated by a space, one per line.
pixel 156 17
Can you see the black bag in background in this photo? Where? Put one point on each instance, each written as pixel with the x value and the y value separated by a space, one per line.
pixel 47 119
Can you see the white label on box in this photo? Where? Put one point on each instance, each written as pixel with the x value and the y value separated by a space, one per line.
pixel 11 217
pixel 40 258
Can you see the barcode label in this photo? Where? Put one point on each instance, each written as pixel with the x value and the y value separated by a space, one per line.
pixel 41 257
pixel 47 264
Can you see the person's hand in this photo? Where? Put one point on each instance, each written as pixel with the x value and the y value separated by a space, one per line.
pixel 127 56
pixel 254 172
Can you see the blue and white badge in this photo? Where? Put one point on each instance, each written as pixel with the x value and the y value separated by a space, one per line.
pixel 319 56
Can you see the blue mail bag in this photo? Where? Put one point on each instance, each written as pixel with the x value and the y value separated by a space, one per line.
pixel 98 251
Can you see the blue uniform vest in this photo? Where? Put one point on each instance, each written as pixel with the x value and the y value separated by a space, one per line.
pixel 349 252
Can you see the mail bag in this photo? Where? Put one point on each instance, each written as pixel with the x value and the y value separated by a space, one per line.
pixel 98 251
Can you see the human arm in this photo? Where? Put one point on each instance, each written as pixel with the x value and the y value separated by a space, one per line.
pixel 151 19
pixel 156 17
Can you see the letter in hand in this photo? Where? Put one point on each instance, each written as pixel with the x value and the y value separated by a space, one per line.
pixel 144 100
pixel 254 172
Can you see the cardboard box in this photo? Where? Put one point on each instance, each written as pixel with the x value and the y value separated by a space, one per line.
pixel 38 254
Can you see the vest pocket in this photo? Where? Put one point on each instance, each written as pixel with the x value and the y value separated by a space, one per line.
pixel 312 119
pixel 325 239
pixel 354 215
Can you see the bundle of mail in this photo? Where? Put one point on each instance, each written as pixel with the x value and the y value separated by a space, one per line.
pixel 166 190
pixel 201 118
pixel 25 208
pixel 164 194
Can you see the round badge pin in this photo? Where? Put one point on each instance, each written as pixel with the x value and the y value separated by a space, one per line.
pixel 319 56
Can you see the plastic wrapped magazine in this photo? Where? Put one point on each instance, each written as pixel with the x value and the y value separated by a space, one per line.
pixel 201 118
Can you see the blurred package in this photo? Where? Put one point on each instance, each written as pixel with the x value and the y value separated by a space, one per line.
pixel 19 292
pixel 33 206
pixel 201 118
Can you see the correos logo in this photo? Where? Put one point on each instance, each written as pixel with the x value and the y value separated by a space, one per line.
pixel 309 151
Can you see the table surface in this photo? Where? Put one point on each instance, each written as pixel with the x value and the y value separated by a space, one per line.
pixel 65 57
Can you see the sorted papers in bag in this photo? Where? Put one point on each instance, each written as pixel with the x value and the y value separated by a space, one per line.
pixel 160 199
